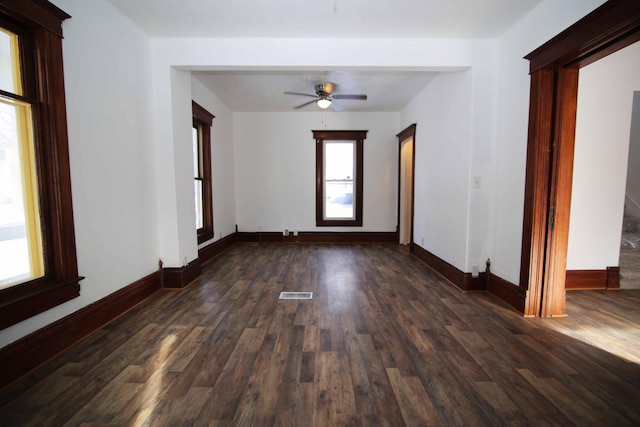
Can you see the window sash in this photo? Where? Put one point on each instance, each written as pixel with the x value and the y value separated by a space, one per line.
pixel 339 200
pixel 201 142
pixel 21 256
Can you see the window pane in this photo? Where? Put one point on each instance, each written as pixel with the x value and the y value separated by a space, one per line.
pixel 196 152
pixel 199 211
pixel 339 172
pixel 338 199
pixel 338 160
pixel 9 63
pixel 20 240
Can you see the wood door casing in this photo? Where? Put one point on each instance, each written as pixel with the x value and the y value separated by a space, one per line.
pixel 554 71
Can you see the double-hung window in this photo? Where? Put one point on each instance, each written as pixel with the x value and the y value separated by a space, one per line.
pixel 38 264
pixel 201 142
pixel 339 186
pixel 20 234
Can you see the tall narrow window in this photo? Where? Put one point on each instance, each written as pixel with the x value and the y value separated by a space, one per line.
pixel 38 264
pixel 201 144
pixel 339 177
pixel 20 237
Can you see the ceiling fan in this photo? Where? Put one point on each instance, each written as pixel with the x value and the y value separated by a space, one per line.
pixel 324 97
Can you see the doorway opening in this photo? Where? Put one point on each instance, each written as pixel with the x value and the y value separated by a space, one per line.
pixel 630 240
pixel 554 69
pixel 406 189
pixel 406 167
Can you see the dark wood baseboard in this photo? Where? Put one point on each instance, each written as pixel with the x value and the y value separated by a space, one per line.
pixel 511 294
pixel 464 281
pixel 22 356
pixel 209 252
pixel 613 278
pixel 508 292
pixel 320 237
pixel 180 277
pixel 593 279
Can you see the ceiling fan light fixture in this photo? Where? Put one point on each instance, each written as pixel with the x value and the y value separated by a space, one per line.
pixel 323 103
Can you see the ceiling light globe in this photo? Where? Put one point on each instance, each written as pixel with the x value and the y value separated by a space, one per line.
pixel 323 103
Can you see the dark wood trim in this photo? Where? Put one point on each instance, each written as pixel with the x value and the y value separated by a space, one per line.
pixel 593 279
pixel 319 237
pixel 514 295
pixel 339 135
pixel 566 101
pixel 43 79
pixel 214 249
pixel 22 356
pixel 201 113
pixel 407 133
pixel 536 193
pixel 613 278
pixel 586 279
pixel 554 68
pixel 511 294
pixel 471 283
pixel 23 301
pixel 181 277
pixel 613 21
pixel 36 14
pixel 459 278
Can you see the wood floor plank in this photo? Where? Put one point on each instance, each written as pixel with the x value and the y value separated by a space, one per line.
pixel 385 341
pixel 415 404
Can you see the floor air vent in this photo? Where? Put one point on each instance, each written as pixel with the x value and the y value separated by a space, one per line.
pixel 296 295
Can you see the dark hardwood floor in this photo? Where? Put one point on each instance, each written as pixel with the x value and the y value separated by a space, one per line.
pixel 384 342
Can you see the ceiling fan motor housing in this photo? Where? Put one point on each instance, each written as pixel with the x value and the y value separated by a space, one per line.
pixel 324 89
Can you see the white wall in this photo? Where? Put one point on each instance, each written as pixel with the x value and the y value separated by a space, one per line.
pixel 442 112
pixel 222 161
pixel 509 148
pixel 603 123
pixel 107 71
pixel 275 169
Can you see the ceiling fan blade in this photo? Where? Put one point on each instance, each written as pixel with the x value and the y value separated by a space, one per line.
pixel 305 104
pixel 301 94
pixel 335 106
pixel 363 97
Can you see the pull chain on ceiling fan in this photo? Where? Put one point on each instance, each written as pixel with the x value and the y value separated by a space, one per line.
pixel 324 97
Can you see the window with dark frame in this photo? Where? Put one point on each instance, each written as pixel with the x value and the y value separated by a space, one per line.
pixel 201 142
pixel 34 119
pixel 339 183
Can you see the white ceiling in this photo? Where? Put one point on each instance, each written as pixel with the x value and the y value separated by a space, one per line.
pixel 262 91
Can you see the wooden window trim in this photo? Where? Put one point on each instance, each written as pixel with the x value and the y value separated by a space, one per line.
pixel 40 29
pixel 204 120
pixel 339 135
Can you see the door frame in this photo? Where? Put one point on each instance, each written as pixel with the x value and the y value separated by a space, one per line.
pixel 554 70
pixel 408 133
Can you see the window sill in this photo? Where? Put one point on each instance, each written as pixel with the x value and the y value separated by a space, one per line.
pixel 23 301
pixel 204 235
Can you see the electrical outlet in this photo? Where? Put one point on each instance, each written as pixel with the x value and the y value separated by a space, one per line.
pixel 295 233
pixel 475 271
pixel 285 233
